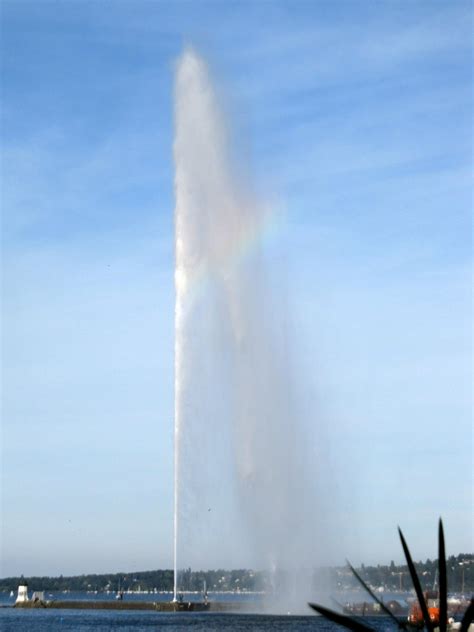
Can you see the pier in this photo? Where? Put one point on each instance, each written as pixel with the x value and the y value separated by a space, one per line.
pixel 157 606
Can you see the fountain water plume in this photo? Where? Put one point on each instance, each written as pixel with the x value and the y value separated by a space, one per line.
pixel 243 495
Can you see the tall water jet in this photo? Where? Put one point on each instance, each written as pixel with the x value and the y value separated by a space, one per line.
pixel 243 493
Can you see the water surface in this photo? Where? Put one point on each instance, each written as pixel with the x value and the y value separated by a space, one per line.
pixel 13 620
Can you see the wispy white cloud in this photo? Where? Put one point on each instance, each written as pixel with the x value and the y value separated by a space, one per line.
pixel 50 184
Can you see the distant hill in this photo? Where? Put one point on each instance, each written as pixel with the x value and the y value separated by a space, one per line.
pixel 388 577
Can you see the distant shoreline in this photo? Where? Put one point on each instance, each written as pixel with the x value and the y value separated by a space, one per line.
pixel 384 578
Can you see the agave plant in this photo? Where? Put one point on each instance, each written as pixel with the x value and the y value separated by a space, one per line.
pixel 357 626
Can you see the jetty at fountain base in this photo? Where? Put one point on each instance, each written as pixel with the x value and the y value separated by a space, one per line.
pixel 157 606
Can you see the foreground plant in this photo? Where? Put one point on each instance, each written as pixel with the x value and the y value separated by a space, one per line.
pixel 355 625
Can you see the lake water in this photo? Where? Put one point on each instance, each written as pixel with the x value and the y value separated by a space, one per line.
pixel 15 620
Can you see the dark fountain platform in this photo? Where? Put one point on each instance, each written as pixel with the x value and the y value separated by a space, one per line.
pixel 157 606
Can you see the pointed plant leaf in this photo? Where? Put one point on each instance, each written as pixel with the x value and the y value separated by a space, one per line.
pixel 416 583
pixel 468 617
pixel 381 603
pixel 443 589
pixel 341 619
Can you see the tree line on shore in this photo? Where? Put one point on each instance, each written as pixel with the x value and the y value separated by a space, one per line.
pixel 392 577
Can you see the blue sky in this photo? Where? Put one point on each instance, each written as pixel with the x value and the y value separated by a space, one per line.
pixel 355 119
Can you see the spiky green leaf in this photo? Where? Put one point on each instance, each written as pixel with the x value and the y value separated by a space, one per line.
pixel 443 588
pixel 341 619
pixel 416 583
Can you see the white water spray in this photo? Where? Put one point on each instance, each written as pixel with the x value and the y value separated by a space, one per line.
pixel 243 495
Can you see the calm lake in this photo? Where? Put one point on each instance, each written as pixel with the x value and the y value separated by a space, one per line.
pixel 14 620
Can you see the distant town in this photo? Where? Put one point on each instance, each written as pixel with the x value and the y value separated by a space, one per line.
pixel 382 578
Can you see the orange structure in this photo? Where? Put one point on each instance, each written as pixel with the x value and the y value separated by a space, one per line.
pixel 415 616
